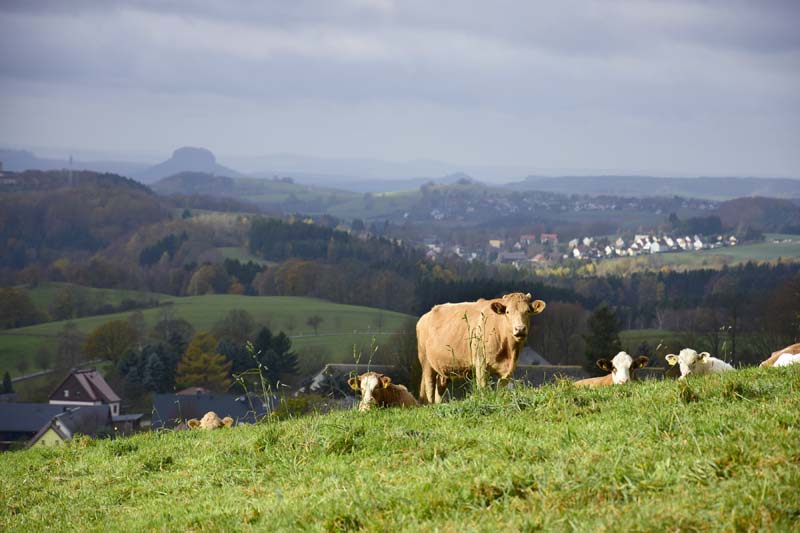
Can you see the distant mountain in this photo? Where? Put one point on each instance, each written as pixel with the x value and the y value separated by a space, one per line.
pixel 21 160
pixel 642 186
pixel 187 159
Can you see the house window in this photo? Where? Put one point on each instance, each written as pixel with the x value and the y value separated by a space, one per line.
pixel 66 393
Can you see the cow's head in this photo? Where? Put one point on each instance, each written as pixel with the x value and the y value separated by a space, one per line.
pixel 622 367
pixel 518 309
pixel 368 383
pixel 210 421
pixel 688 359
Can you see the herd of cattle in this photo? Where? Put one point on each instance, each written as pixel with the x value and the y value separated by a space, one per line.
pixel 486 337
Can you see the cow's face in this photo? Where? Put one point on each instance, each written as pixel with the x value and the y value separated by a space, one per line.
pixel 622 367
pixel 517 308
pixel 368 383
pixel 688 360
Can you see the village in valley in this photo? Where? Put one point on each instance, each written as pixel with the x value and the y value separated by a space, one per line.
pixel 530 250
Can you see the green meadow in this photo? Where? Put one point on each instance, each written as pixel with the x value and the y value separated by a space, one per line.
pixel 342 325
pixel 715 453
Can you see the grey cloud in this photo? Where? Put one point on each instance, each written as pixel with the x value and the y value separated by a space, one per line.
pixel 659 65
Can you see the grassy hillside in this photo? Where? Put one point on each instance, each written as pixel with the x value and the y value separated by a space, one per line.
pixel 43 294
pixel 717 453
pixel 341 327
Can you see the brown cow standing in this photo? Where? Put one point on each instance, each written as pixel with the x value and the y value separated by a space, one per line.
pixel 794 348
pixel 378 389
pixel 484 336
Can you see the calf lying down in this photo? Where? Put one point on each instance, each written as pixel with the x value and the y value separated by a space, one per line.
pixel 773 359
pixel 378 390
pixel 787 359
pixel 210 421
pixel 621 367
pixel 692 362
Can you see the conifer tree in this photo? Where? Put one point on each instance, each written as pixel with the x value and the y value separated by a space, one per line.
pixel 201 366
pixel 7 387
pixel 602 340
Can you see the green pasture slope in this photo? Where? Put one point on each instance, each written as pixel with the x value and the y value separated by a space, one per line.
pixel 718 453
pixel 341 327
pixel 43 294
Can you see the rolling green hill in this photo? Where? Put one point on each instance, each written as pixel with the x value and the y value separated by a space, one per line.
pixel 341 327
pixel 43 294
pixel 717 453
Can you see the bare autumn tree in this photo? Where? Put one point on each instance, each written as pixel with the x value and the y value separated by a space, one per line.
pixel 314 321
pixel 557 333
pixel 68 350
pixel 110 341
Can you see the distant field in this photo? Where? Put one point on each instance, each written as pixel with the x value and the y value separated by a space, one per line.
pixel 242 254
pixel 632 338
pixel 289 314
pixel 44 294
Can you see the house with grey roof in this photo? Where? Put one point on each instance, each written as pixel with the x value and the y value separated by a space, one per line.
pixel 171 410
pixel 23 424
pixel 85 387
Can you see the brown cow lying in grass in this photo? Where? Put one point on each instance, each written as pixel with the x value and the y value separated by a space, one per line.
pixel 621 367
pixel 210 421
pixel 793 349
pixel 378 389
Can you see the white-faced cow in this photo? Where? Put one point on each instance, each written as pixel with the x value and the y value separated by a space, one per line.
pixel 692 362
pixel 793 349
pixel 621 369
pixel 483 336
pixel 378 390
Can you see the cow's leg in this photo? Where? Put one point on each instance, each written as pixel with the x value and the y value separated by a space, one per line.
pixel 427 386
pixel 481 376
pixel 441 387
pixel 504 380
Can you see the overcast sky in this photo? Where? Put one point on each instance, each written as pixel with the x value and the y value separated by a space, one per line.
pixel 670 88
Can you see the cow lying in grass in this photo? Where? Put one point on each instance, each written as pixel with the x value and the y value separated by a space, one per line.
pixel 378 389
pixel 621 369
pixel 210 421
pixel 773 359
pixel 692 362
pixel 788 359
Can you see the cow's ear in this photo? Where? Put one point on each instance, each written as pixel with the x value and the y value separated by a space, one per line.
pixel 704 357
pixel 498 308
pixel 640 362
pixel 385 380
pixel 227 422
pixel 672 359
pixel 193 423
pixel 537 306
pixel 353 382
pixel 604 364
